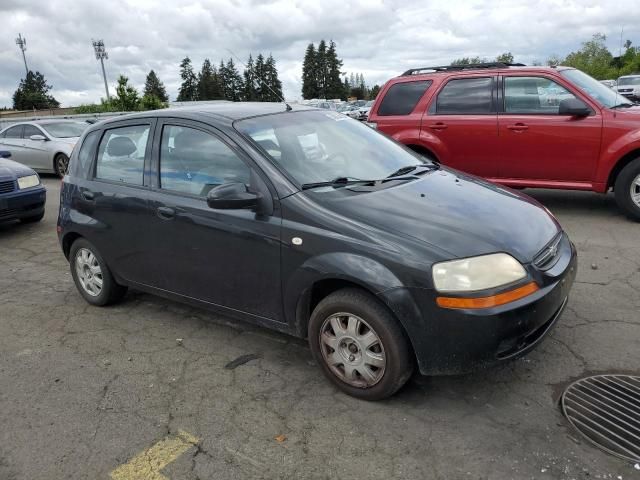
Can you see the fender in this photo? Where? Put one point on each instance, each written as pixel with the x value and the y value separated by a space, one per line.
pixel 355 269
pixel 612 155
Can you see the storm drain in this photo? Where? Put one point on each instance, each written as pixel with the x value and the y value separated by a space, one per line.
pixel 606 410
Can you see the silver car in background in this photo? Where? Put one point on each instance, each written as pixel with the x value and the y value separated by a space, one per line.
pixel 44 145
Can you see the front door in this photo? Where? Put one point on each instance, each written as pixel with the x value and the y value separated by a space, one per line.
pixel 462 125
pixel 230 258
pixel 36 153
pixel 536 143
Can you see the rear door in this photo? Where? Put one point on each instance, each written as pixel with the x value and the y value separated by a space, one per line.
pixel 462 124
pixel 36 152
pixel 538 144
pixel 11 140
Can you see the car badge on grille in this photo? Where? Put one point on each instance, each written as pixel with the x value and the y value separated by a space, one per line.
pixel 552 251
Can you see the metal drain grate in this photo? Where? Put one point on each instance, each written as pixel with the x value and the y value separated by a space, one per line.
pixel 606 410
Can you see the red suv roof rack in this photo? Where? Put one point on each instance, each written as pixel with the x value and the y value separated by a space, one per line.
pixel 470 66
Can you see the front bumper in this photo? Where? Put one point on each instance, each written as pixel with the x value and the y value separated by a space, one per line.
pixel 22 203
pixel 452 341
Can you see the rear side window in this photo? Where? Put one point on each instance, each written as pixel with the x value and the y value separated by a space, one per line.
pixel 121 154
pixel 402 98
pixel 14 132
pixel 85 155
pixel 466 96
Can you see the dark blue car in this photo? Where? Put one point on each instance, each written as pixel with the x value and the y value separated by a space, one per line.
pixel 22 196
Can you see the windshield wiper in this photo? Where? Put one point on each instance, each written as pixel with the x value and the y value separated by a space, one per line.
pixel 336 182
pixel 411 168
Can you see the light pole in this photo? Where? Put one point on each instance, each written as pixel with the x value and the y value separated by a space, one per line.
pixel 101 54
pixel 22 45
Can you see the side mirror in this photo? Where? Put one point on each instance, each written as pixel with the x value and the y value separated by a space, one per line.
pixel 38 138
pixel 230 196
pixel 5 154
pixel 574 108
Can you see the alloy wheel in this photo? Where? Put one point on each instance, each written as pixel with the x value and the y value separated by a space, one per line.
pixel 63 164
pixel 352 350
pixel 635 191
pixel 89 272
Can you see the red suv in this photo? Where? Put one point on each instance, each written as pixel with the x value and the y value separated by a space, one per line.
pixel 545 127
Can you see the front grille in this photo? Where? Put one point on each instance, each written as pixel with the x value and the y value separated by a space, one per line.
pixel 606 410
pixel 7 186
pixel 549 255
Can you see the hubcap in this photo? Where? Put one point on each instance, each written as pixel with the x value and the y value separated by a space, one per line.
pixel 352 350
pixel 63 165
pixel 89 272
pixel 635 191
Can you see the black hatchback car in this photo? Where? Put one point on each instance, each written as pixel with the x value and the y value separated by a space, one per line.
pixel 313 224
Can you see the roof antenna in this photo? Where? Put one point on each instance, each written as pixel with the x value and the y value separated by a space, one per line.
pixel 288 107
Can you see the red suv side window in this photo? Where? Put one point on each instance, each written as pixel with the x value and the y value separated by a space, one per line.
pixel 402 98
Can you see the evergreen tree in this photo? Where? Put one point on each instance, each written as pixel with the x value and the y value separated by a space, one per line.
pixel 309 74
pixel 234 82
pixel 374 92
pixel 274 93
pixel 250 88
pixel 347 87
pixel 126 99
pixel 223 80
pixel 261 91
pixel 189 89
pixel 33 93
pixel 321 69
pixel 153 87
pixel 334 86
pixel 208 84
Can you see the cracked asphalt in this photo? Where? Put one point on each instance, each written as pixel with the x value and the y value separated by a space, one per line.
pixel 85 389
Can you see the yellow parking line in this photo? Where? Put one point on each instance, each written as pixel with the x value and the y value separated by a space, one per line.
pixel 147 465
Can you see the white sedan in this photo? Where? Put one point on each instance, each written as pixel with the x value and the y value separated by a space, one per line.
pixel 44 145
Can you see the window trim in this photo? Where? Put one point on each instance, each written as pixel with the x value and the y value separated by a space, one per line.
pixel 503 86
pixel 91 172
pixel 433 107
pixel 429 82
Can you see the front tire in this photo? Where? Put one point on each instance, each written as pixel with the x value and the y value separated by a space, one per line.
pixel 61 165
pixel 627 190
pixel 359 344
pixel 91 275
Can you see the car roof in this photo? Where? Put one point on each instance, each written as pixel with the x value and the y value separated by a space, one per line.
pixel 415 74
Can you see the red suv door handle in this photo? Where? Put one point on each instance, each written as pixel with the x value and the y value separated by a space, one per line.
pixel 438 126
pixel 518 127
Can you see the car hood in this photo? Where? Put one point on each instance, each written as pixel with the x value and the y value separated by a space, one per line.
pixel 10 170
pixel 457 213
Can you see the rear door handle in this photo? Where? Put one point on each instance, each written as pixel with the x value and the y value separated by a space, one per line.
pixel 518 127
pixel 166 213
pixel 88 195
pixel 438 126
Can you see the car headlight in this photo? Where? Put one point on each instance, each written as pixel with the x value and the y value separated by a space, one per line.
pixel 28 181
pixel 477 273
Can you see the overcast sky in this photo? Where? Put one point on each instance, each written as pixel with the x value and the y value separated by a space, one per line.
pixel 378 38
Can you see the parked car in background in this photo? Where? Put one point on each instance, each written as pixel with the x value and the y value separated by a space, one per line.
pixel 44 145
pixel 353 111
pixel 310 223
pixel 363 111
pixel 544 127
pixel 327 105
pixel 22 196
pixel 629 86
pixel 609 83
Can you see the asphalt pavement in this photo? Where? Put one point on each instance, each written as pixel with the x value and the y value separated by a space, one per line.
pixel 154 389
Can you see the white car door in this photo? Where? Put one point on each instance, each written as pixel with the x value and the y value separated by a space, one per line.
pixel 11 140
pixel 36 152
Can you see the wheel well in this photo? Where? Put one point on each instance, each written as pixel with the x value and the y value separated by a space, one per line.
pixel 423 150
pixel 67 241
pixel 623 162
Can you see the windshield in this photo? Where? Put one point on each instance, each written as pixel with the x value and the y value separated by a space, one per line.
pixel 322 146
pixel 65 129
pixel 594 88
pixel 629 81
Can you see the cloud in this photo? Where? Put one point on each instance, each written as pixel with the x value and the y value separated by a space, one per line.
pixel 377 38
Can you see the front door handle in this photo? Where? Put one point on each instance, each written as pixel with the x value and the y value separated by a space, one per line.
pixel 438 126
pixel 88 195
pixel 518 127
pixel 166 213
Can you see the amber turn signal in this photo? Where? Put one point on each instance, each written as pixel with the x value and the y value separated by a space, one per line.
pixel 488 302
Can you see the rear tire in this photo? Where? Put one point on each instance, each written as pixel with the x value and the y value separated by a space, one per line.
pixel 33 219
pixel 61 165
pixel 359 345
pixel 91 275
pixel 627 190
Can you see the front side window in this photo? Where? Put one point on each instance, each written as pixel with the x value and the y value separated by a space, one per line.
pixel 402 98
pixel 320 146
pixel 193 161
pixel 121 154
pixel 14 132
pixel 473 96
pixel 533 95
pixel 31 130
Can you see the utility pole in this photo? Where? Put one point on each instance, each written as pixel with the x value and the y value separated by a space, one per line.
pixel 101 54
pixel 22 45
